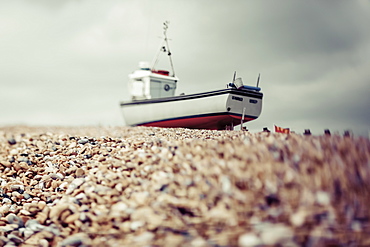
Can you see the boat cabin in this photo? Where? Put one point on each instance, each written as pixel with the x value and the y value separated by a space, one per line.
pixel 146 83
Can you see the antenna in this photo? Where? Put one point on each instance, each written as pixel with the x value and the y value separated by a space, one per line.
pixel 234 76
pixel 258 79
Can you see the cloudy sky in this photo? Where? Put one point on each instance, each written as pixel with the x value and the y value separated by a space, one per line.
pixel 66 62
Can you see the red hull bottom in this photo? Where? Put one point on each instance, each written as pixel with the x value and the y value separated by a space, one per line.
pixel 212 122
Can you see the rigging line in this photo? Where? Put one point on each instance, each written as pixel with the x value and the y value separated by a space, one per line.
pixel 157 57
pixel 164 48
pixel 168 47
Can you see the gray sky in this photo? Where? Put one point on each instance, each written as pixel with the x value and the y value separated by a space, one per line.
pixel 66 62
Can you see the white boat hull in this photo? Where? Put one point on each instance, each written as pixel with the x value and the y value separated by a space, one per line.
pixel 210 110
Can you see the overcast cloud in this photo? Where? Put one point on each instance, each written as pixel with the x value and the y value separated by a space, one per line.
pixel 66 62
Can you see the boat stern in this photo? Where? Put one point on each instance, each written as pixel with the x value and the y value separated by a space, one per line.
pixel 244 105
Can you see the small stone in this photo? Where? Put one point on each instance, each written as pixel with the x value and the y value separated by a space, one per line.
pixel 41 205
pixel 198 242
pixel 9 228
pixel 322 198
pixel 26 196
pixel 145 237
pixel 17 187
pixel 53 230
pixel 56 175
pixel 226 184
pixel 78 239
pixel 3 241
pixel 72 218
pixel 34 225
pixel 34 209
pixel 15 239
pixel 274 234
pixel 146 215
pixel 356 226
pixel 6 163
pixel 75 185
pixel 25 212
pixel 42 217
pixel 80 172
pixel 175 240
pixel 44 243
pixel 140 197
pixel 83 141
pixel 298 219
pixel 119 207
pixel 12 141
pixel 4 210
pixel 57 210
pixel 248 240
pixel 7 201
pixel 27 233
pixel 17 166
pixel 14 219
pixel 272 200
pixel 135 225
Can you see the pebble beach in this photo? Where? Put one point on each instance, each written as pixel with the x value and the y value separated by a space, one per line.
pixel 142 186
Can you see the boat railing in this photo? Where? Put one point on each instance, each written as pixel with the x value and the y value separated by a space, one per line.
pixel 244 87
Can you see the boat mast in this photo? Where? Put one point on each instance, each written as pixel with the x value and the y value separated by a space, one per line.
pixel 163 48
pixel 165 27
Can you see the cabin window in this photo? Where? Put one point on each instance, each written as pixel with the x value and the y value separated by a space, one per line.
pixel 253 101
pixel 237 98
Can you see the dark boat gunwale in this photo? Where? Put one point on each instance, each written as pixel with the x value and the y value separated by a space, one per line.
pixel 244 92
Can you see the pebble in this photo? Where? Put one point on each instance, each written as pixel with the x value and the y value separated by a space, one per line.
pixel 145 237
pixel 249 240
pixel 14 219
pixel 75 184
pixel 121 186
pixel 135 225
pixel 15 239
pixel 9 228
pixel 12 141
pixel 78 239
pixel 34 225
pixel 322 198
pixel 298 218
pixel 83 141
pixel 275 234
pixel 80 172
pixel 26 196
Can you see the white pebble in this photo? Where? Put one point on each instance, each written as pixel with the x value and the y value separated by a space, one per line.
pixel 322 198
pixel 276 234
pixel 249 239
pixel 297 219
pixel 136 225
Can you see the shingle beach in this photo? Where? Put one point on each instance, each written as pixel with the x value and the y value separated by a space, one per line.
pixel 140 186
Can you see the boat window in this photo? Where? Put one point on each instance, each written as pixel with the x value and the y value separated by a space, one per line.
pixel 253 101
pixel 237 98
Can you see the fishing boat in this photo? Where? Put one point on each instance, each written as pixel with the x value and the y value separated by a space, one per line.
pixel 154 103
